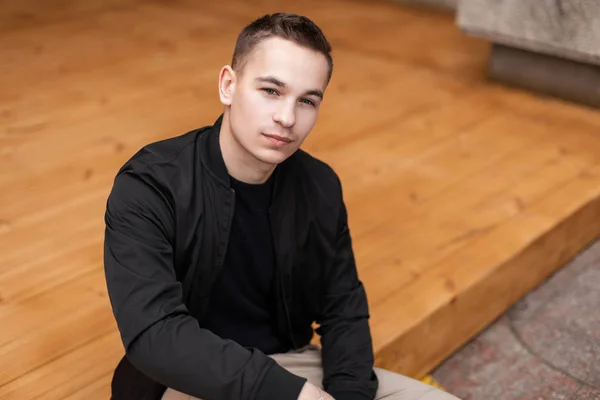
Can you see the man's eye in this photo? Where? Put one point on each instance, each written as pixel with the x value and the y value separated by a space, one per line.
pixel 309 102
pixel 269 91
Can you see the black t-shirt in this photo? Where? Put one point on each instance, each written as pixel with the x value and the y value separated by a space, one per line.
pixel 242 300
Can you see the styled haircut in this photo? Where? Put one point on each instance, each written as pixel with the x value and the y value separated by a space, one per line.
pixel 293 27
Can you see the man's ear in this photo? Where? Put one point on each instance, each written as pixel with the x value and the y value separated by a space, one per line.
pixel 227 81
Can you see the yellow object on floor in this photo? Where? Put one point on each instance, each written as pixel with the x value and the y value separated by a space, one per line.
pixel 428 379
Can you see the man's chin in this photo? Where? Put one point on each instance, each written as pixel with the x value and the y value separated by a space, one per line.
pixel 273 157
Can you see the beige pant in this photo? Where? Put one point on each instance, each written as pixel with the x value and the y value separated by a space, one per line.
pixel 307 363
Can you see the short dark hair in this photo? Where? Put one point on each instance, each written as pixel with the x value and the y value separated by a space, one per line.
pixel 293 27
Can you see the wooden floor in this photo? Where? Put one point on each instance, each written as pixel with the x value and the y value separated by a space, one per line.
pixel 463 195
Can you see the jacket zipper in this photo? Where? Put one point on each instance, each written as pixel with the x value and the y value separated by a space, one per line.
pixel 215 271
pixel 287 312
pixel 283 298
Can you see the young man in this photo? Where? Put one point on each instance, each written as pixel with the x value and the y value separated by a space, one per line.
pixel 223 246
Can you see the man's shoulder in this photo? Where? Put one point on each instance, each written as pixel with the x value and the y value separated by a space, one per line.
pixel 175 149
pixel 318 172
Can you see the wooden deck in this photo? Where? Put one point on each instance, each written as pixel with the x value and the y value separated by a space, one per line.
pixel 463 195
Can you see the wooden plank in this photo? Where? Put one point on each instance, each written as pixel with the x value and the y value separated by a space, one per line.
pixel 523 174
pixel 29 13
pixel 79 215
pixel 48 326
pixel 544 110
pixel 99 388
pixel 510 260
pixel 34 250
pixel 71 259
pixel 80 374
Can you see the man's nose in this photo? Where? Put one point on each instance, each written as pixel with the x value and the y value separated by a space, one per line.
pixel 285 114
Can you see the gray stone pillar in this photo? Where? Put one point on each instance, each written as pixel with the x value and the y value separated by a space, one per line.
pixel 557 41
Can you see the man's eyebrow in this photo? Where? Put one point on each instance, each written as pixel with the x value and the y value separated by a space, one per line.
pixel 315 92
pixel 271 79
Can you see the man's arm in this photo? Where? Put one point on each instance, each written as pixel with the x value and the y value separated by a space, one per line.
pixel 345 334
pixel 161 339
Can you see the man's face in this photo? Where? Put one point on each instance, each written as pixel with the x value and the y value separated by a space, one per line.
pixel 275 102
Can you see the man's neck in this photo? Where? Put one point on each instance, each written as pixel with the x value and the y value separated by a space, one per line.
pixel 240 164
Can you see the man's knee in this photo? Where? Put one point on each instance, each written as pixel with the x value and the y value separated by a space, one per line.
pixel 393 386
pixel 171 394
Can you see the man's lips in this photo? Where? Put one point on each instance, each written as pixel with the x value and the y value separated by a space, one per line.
pixel 279 138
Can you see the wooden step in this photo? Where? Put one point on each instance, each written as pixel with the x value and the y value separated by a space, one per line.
pixel 462 194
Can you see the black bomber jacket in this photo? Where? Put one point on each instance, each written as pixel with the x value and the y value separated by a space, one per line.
pixel 167 224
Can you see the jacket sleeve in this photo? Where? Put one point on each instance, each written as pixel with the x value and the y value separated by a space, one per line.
pixel 346 342
pixel 160 337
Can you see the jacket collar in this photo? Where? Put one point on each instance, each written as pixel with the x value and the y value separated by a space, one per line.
pixel 212 158
pixel 211 155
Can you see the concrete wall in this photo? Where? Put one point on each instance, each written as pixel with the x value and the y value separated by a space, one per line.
pixel 564 28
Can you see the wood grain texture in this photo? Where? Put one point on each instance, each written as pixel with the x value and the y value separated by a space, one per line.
pixel 463 195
